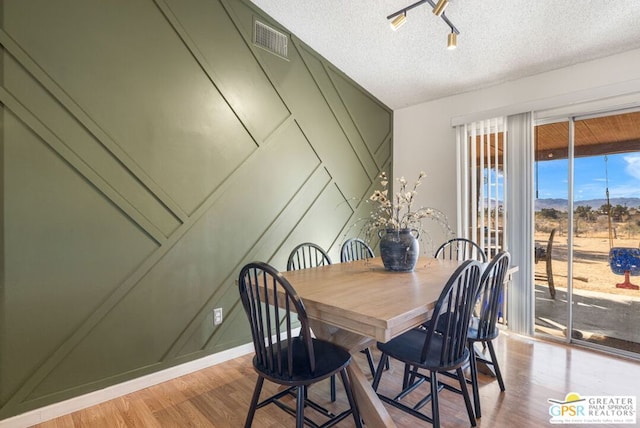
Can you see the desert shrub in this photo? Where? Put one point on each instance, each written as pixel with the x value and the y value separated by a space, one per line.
pixel 551 213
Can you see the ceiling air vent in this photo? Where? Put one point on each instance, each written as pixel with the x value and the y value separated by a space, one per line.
pixel 270 39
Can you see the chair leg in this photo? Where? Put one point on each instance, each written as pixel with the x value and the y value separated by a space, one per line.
pixel 473 366
pixel 254 402
pixel 352 402
pixel 405 376
pixel 465 394
pixel 494 360
pixel 376 379
pixel 435 413
pixel 333 388
pixel 372 367
pixel 300 407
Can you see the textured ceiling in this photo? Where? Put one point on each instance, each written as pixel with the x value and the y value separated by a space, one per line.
pixel 499 40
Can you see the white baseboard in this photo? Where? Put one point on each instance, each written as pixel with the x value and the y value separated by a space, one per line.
pixel 62 408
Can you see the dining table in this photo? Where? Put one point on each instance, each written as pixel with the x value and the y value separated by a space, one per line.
pixel 359 303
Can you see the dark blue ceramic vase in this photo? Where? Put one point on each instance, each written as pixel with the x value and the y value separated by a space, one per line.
pixel 399 249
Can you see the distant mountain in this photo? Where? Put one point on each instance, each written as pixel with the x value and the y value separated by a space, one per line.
pixel 561 204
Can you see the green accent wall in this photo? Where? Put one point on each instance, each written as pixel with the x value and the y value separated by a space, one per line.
pixel 148 150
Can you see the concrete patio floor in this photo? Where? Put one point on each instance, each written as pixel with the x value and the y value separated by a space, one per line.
pixel 605 319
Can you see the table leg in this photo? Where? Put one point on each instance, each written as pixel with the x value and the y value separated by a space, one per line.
pixel 371 409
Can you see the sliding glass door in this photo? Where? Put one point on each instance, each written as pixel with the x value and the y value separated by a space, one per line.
pixel 587 213
pixel 551 224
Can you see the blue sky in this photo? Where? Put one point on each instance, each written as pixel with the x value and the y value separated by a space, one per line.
pixel 590 177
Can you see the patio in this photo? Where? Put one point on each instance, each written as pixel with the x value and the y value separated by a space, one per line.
pixel 603 314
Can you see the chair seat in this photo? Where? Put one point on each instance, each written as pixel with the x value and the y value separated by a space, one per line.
pixel 330 359
pixel 408 348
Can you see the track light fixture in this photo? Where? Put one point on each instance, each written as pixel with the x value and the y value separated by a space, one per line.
pixel 399 18
pixel 398 21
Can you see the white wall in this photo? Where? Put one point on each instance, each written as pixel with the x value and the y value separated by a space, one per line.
pixel 425 141
pixel 424 138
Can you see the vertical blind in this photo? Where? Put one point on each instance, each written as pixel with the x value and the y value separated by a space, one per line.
pixel 482 149
pixel 495 202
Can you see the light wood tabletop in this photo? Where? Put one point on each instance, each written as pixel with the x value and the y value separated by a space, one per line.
pixel 355 304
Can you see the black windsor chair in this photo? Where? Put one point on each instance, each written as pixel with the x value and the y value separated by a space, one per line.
pixel 355 249
pixel 308 255
pixel 461 249
pixel 436 350
pixel 271 305
pixel 483 327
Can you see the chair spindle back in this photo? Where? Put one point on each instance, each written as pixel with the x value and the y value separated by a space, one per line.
pixel 461 249
pixel 307 255
pixel 355 249
pixel 452 313
pixel 490 293
pixel 271 305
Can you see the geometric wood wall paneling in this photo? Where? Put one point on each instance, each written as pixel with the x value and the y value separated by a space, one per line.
pixel 291 226
pixel 181 283
pixel 334 142
pixel 164 115
pixel 305 100
pixel 322 223
pixel 268 196
pixel 371 118
pixel 66 250
pixel 74 136
pixel 205 338
pixel 272 247
pixel 294 229
pixel 344 119
pixel 383 155
pixel 199 151
pixel 340 151
pixel 212 37
pixel 362 210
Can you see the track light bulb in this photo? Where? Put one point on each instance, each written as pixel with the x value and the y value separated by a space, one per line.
pixel 398 21
pixel 452 41
pixel 440 7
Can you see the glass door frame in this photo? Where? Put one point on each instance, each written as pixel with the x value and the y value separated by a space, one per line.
pixel 572 119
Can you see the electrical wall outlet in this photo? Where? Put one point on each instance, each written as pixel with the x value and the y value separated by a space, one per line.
pixel 217 316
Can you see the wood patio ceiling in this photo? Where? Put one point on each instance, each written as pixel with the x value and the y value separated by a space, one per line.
pixel 593 137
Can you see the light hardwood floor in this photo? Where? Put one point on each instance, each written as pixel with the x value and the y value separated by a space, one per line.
pixel 534 371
